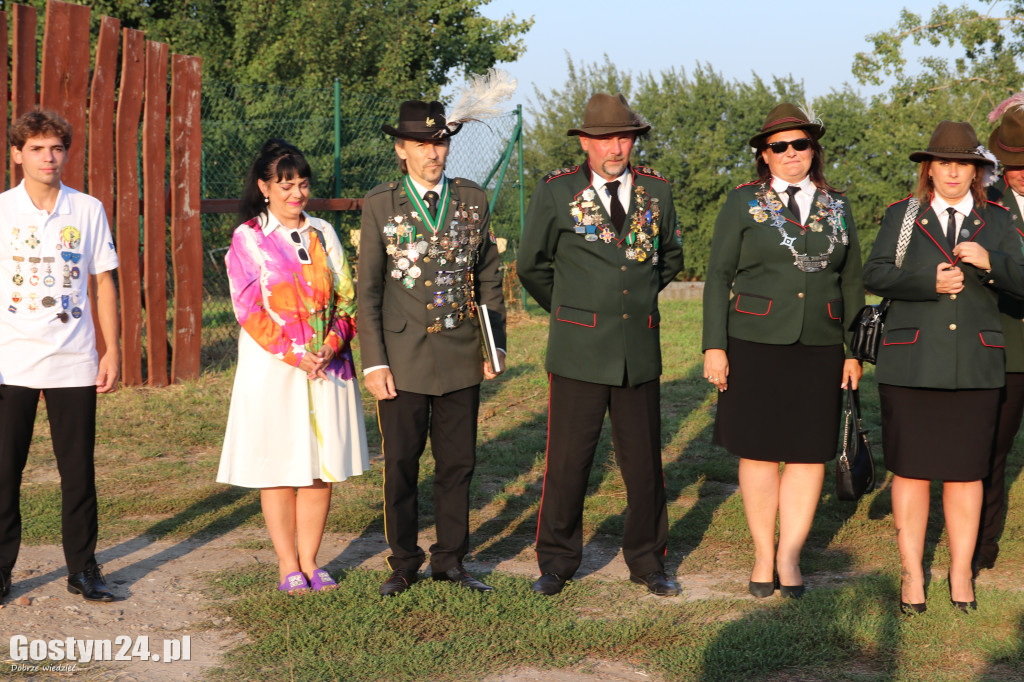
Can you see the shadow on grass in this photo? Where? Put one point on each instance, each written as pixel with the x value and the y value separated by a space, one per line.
pixel 829 634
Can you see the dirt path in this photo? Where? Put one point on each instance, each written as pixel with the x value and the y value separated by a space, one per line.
pixel 161 584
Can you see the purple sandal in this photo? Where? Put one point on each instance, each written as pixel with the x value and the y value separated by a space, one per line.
pixel 294 582
pixel 322 581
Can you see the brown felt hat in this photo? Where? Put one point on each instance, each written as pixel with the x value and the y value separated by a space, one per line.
pixel 609 114
pixel 953 140
pixel 421 121
pixel 1007 140
pixel 787 116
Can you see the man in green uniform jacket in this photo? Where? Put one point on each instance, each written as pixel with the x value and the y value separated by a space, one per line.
pixel 1007 143
pixel 600 243
pixel 426 259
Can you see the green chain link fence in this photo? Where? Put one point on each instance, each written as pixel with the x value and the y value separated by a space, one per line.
pixel 339 133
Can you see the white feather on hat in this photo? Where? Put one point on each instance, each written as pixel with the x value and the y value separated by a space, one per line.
pixel 482 97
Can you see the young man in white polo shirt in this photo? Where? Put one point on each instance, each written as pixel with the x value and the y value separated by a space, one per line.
pixel 54 241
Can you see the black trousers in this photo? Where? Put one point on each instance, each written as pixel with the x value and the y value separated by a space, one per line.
pixel 72 415
pixel 405 422
pixel 576 412
pixel 993 511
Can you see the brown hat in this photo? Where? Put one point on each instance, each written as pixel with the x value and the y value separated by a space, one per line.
pixel 787 116
pixel 1007 140
pixel 609 114
pixel 421 121
pixel 953 140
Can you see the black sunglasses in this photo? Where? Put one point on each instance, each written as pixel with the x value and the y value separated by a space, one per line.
pixel 780 147
pixel 299 249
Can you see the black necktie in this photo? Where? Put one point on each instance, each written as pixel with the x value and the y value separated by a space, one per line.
pixel 794 207
pixel 951 228
pixel 618 214
pixel 431 199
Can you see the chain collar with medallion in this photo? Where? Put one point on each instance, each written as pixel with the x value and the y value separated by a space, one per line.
pixel 767 207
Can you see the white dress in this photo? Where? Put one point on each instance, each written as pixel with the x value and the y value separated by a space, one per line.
pixel 283 429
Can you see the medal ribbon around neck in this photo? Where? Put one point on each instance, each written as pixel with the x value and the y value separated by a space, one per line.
pixel 421 207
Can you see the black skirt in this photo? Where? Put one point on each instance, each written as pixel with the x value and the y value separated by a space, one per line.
pixel 937 434
pixel 783 402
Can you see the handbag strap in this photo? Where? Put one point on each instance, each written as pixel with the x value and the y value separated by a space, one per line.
pixel 906 230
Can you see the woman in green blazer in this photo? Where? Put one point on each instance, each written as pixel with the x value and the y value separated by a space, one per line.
pixel 941 364
pixel 784 281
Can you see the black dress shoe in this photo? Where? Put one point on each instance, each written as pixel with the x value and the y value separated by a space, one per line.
pixel 5 580
pixel 400 581
pixel 761 590
pixel 658 584
pixel 549 584
pixel 459 576
pixel 980 563
pixel 90 584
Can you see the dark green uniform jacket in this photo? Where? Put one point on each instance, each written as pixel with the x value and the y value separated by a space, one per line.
pixel 600 288
pixel 1011 310
pixel 949 341
pixel 416 307
pixel 755 292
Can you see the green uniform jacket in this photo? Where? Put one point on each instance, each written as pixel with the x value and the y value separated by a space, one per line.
pixel 755 292
pixel 948 341
pixel 1011 310
pixel 418 316
pixel 600 288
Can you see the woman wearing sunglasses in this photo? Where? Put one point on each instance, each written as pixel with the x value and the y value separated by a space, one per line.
pixel 784 281
pixel 941 363
pixel 296 420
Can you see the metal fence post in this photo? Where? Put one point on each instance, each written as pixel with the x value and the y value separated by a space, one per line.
pixel 337 148
pixel 522 183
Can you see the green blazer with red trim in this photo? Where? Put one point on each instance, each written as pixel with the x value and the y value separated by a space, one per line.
pixel 600 288
pixel 1011 309
pixel 948 341
pixel 755 292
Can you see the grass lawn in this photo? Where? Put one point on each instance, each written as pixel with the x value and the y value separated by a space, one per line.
pixel 157 457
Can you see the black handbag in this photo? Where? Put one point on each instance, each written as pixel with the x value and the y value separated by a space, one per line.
pixel 855 469
pixel 868 326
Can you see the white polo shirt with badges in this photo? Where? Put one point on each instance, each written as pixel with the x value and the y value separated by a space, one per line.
pixel 47 339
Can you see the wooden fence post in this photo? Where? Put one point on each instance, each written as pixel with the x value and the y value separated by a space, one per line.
pixel 129 111
pixel 23 67
pixel 154 164
pixel 186 227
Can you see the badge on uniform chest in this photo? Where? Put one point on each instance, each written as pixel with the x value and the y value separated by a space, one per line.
pixel 767 207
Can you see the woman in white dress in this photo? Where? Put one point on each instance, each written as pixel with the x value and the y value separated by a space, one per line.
pixel 296 420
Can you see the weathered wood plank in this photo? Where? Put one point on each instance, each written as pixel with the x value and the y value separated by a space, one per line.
pixel 154 165
pixel 129 111
pixel 315 204
pixel 186 227
pixel 65 78
pixel 23 70
pixel 4 97
pixel 101 115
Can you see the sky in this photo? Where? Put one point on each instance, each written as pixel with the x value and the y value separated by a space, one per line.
pixel 813 41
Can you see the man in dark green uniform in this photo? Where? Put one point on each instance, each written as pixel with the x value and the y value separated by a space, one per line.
pixel 1007 143
pixel 427 258
pixel 600 243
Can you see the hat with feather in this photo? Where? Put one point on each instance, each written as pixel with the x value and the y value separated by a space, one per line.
pixel 1007 140
pixel 480 99
pixel 954 140
pixel 788 116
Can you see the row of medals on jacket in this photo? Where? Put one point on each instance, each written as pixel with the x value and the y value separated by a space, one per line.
pixel 444 247
pixel 70 304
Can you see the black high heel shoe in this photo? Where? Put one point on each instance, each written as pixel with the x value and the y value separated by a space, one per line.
pixel 763 590
pixel 909 608
pixel 965 606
